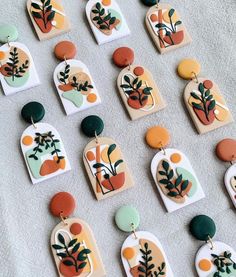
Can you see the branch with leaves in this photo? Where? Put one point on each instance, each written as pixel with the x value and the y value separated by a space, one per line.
pixel 134 87
pixel 47 141
pixel 64 75
pixel 104 21
pixel 175 188
pixel 223 263
pixel 80 86
pixel 205 97
pixel 12 68
pixel 44 11
pixel 146 266
pixel 68 258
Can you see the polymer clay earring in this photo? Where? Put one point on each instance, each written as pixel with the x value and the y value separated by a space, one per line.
pixel 142 253
pixel 173 174
pixel 136 86
pixel 73 80
pixel 41 145
pixel 103 160
pixel 203 99
pixel 165 27
pixel 214 258
pixel 48 18
pixel 17 69
pixel 226 152
pixel 73 244
pixel 106 20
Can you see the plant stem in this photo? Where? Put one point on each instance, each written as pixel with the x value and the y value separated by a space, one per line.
pixel 72 257
pixel 44 20
pixel 204 106
pixel 139 95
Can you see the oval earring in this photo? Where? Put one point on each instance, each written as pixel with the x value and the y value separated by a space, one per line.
pixel 174 176
pixel 214 258
pixel 103 160
pixel 42 146
pixel 141 253
pixel 226 152
pixel 73 245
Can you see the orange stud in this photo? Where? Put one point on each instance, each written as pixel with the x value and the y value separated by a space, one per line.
pixel 91 98
pixel 27 140
pixel 175 158
pixel 157 137
pixel 205 265
pixel 128 253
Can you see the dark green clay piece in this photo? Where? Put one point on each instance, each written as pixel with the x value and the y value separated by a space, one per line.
pixel 202 227
pixel 150 3
pixel 92 125
pixel 33 111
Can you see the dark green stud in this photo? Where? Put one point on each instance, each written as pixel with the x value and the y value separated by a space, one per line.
pixel 33 112
pixel 150 3
pixel 92 125
pixel 202 227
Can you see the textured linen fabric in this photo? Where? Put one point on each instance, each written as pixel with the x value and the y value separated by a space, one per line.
pixel 25 222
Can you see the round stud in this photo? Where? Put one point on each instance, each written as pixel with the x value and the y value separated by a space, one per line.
pixel 202 227
pixel 226 150
pixel 92 125
pixel 33 111
pixel 62 204
pixel 157 137
pixel 149 3
pixel 8 33
pixel 187 68
pixel 123 56
pixel 127 218
pixel 65 50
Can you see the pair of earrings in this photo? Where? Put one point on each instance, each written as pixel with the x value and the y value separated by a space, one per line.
pixel 215 258
pixel 17 69
pixel 165 26
pixel 104 161
pixel 203 98
pixel 72 241
pixel 73 80
pixel 172 172
pixel 42 146
pixel 226 152
pixel 137 88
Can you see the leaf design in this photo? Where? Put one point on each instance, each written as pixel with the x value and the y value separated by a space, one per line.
pixel 104 21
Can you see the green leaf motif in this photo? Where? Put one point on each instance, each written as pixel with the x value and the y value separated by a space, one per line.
pixel 36 6
pixel 171 12
pixel 57 247
pixel 212 105
pixel 76 248
pixel 51 16
pixel 111 148
pixel 68 263
pixel 36 14
pixel 197 106
pixel 82 256
pixel 61 238
pixel 72 242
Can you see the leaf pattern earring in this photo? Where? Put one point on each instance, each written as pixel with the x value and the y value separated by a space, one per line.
pixel 42 146
pixel 172 172
pixel 203 99
pixel 73 80
pixel 137 88
pixel 17 69
pixel 104 161
pixel 142 253
pixel 214 258
pixel 73 244
pixel 226 152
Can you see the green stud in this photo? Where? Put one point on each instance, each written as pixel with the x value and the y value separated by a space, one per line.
pixel 8 33
pixel 202 227
pixel 150 3
pixel 92 125
pixel 33 112
pixel 127 218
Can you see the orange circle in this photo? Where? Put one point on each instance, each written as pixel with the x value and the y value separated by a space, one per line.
pixel 157 137
pixel 205 265
pixel 65 50
pixel 27 140
pixel 2 55
pixel 128 253
pixel 92 98
pixel 90 156
pixel 138 71
pixel 62 204
pixel 106 2
pixel 154 17
pixel 76 229
pixel 175 158
pixel 188 68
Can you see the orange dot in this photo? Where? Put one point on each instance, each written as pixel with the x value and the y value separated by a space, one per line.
pixel 90 156
pixel 76 229
pixel 27 140
pixel 205 265
pixel 154 17
pixel 138 71
pixel 128 253
pixel 175 158
pixel 157 137
pixel 106 2
pixel 2 55
pixel 92 98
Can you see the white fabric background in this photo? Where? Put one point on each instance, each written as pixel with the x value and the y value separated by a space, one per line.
pixel 25 222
